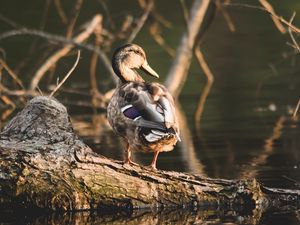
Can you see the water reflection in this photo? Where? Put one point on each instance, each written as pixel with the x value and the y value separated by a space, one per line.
pixel 186 146
pixel 145 217
pixel 261 159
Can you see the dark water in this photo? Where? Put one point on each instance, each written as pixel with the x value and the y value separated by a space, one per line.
pixel 246 129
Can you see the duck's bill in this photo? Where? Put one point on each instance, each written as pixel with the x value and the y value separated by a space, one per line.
pixel 145 67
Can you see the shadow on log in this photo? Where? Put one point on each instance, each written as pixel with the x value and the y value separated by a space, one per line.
pixel 45 165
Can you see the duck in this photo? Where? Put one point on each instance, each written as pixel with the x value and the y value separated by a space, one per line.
pixel 142 113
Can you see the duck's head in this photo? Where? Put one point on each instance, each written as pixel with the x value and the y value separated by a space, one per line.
pixel 128 58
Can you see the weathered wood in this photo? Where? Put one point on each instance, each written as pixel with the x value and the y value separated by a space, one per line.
pixel 45 165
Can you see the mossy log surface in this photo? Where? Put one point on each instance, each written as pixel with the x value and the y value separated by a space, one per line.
pixel 43 164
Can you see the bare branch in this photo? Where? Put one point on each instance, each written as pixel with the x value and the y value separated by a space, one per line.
pixel 294 28
pixel 159 18
pixel 96 95
pixel 67 75
pixel 178 72
pixel 296 46
pixel 296 109
pixel 141 22
pixel 185 11
pixel 45 15
pixel 155 32
pixel 60 11
pixel 9 21
pixel 226 16
pixel 96 21
pixel 270 9
pixel 74 17
pixel 9 102
pixel 69 42
pixel 11 73
pixel 18 93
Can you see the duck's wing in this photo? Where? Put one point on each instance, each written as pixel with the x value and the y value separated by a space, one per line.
pixel 151 107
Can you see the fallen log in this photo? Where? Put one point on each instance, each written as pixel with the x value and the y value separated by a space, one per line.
pixel 44 164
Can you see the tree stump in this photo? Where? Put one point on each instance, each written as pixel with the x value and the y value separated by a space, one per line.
pixel 43 164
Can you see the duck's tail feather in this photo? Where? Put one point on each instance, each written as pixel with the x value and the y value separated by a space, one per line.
pixel 154 135
pixel 150 124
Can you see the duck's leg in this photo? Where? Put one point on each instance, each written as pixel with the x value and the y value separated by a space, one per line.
pixel 127 159
pixel 153 164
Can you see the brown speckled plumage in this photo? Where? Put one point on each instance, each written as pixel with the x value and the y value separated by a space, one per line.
pixel 143 114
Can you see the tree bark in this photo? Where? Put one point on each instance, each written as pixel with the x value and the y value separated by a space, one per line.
pixel 43 164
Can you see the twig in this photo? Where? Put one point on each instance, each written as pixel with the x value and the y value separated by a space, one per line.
pixel 93 71
pixel 67 76
pixel 185 12
pixel 226 16
pixel 141 21
pixel 154 28
pixel 276 21
pixel 294 28
pixel 7 101
pixel 2 51
pixel 159 18
pixel 296 46
pixel 11 73
pixel 48 36
pixel 154 31
pixel 203 64
pixel 69 42
pixel 62 52
pixel 93 68
pixel 8 111
pixel 34 44
pixel 296 109
pixel 60 11
pixel 40 91
pixel 9 21
pixel 74 16
pixel 107 13
pixel 127 24
pixel 18 93
pixel 45 14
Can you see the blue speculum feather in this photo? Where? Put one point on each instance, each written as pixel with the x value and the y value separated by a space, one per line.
pixel 131 113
